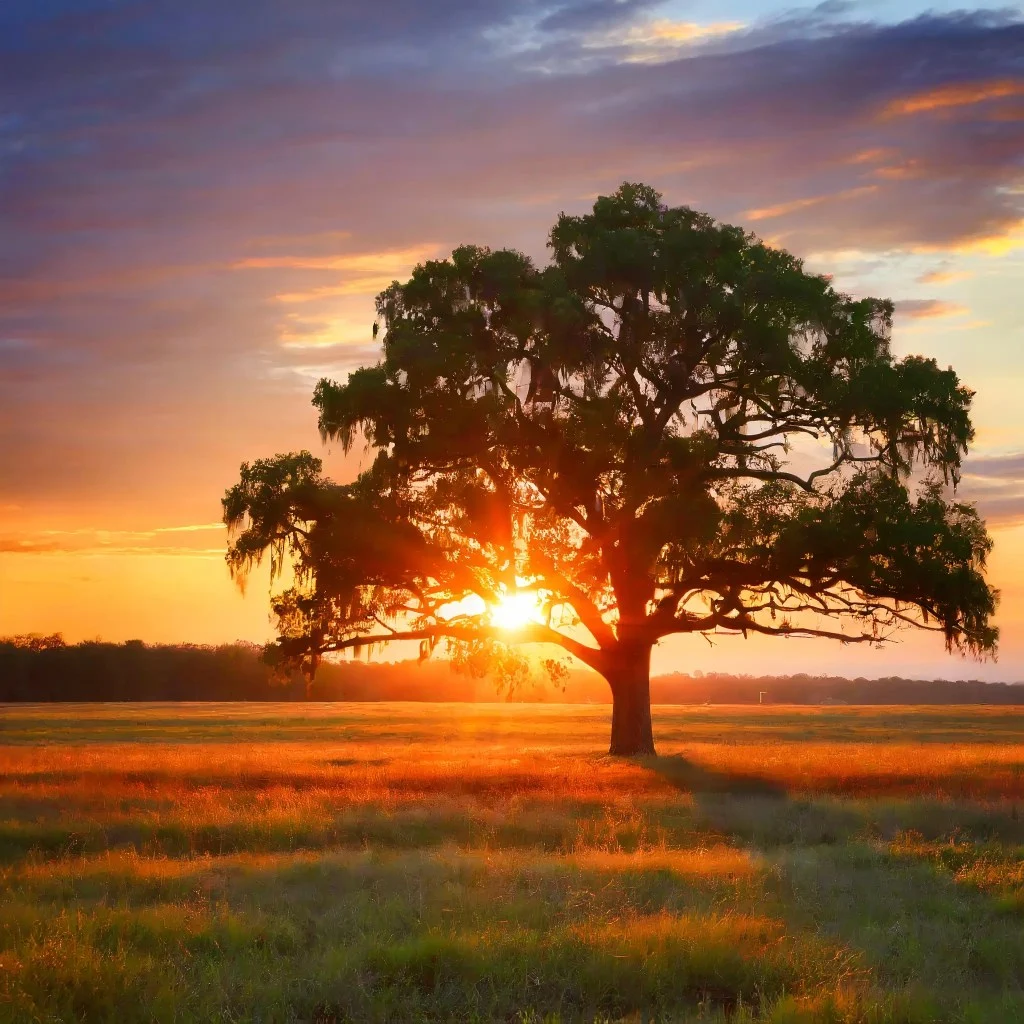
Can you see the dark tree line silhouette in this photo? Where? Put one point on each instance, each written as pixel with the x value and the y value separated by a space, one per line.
pixel 47 669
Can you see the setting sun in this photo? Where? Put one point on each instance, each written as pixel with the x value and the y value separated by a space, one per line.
pixel 516 610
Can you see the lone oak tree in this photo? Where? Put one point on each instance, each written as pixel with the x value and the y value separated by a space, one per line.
pixel 673 428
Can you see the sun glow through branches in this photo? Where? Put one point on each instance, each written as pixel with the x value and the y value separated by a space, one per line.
pixel 511 611
pixel 516 610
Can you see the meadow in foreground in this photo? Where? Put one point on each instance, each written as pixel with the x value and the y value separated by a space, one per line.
pixel 401 862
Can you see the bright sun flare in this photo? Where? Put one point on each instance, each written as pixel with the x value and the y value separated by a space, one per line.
pixel 516 610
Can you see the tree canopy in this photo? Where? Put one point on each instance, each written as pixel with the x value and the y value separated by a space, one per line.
pixel 671 428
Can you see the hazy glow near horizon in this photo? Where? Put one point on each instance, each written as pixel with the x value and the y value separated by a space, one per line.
pixel 169 298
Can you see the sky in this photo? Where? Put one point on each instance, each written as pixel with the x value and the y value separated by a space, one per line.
pixel 198 203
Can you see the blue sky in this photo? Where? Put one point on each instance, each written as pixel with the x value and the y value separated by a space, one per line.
pixel 877 11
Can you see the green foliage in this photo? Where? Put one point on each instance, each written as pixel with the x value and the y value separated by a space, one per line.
pixel 627 433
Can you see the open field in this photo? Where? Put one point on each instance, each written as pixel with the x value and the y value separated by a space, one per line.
pixel 402 862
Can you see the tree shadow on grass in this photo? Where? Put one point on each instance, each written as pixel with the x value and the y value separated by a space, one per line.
pixel 830 872
pixel 689 777
pixel 756 810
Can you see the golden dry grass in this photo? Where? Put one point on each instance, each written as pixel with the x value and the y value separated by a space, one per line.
pixel 406 862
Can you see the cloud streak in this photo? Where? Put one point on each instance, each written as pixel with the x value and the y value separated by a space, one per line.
pixel 929 309
pixel 398 261
pixel 996 484
pixel 661 40
pixel 944 276
pixel 89 541
pixel 796 205
pixel 954 95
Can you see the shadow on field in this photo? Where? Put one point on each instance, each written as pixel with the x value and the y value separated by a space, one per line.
pixel 693 778
pixel 843 870
pixel 755 810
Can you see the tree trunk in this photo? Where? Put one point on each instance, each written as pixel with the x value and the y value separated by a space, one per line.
pixel 629 675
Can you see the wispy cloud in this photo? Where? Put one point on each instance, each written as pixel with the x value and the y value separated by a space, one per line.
pixel 24 546
pixel 396 260
pixel 782 209
pixel 358 286
pixel 905 171
pixel 944 276
pixel 197 528
pixel 929 309
pixel 104 533
pixel 662 39
pixel 1009 466
pixel 94 541
pixel 872 156
pixel 996 484
pixel 997 243
pixel 955 94
pixel 303 332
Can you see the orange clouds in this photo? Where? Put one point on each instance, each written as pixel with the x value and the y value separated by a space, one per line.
pixel 944 276
pixel 397 261
pixel 781 209
pixel 360 286
pixel 900 172
pixel 871 156
pixel 665 31
pixel 893 168
pixel 928 309
pixel 998 243
pixel 372 272
pixel 957 94
pixel 303 332
pixel 661 40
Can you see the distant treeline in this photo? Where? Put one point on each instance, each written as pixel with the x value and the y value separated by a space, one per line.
pixel 46 669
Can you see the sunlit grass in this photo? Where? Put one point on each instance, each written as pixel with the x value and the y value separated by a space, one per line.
pixel 406 862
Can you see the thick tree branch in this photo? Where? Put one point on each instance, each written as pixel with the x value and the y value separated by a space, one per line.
pixel 533 633
pixel 584 607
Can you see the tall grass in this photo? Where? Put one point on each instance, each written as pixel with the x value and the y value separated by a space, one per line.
pixel 402 863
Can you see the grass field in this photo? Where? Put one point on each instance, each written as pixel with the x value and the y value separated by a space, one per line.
pixel 399 862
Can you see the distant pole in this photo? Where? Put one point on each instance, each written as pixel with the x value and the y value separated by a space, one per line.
pixel 761 694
